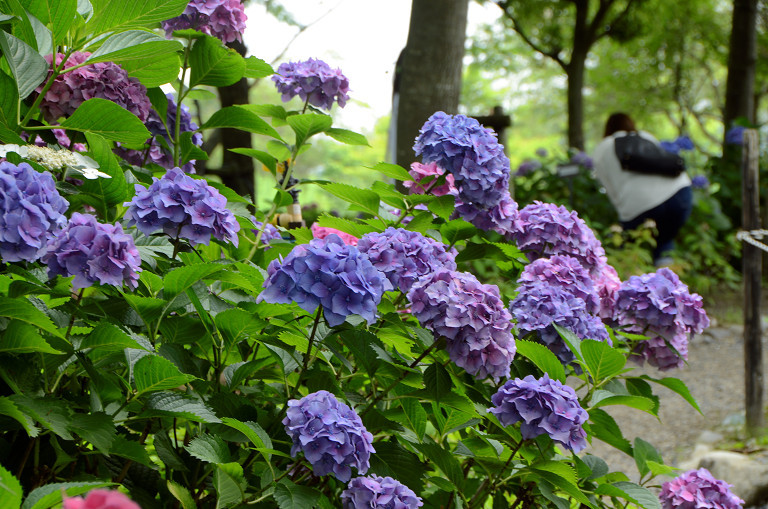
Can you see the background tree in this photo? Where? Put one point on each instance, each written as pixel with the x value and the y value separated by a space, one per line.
pixel 742 58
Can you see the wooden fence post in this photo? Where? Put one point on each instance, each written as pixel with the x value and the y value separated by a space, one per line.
pixel 752 274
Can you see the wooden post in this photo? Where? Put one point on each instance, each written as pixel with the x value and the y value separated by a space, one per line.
pixel 752 273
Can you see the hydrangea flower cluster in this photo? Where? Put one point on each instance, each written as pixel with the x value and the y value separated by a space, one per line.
pixel 472 318
pixel 405 256
pixel 93 252
pixel 659 306
pixel 678 144
pixel 375 492
pixel 546 229
pixel 313 81
pixel 182 207
pixel 527 166
pixel 424 176
pixel 499 218
pixel 321 232
pixel 330 434
pixel 223 19
pixel 32 209
pixel 558 291
pixel 700 182
pixel 269 233
pixel 698 489
pixel 544 406
pixel 607 284
pixel 583 159
pixel 327 272
pixel 735 135
pixel 159 153
pixel 101 499
pixel 105 80
pixel 542 152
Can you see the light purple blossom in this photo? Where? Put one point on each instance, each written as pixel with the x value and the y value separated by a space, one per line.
pixel 182 207
pixel 544 406
pixel 583 159
pixel 330 434
pixel 105 80
pixel 698 489
pixel 471 317
pixel 93 252
pixel 678 144
pixel 424 178
pixel 527 166
pixel 545 229
pixel 223 19
pixel 313 81
pixel 499 218
pixel 700 182
pixel 405 256
pixel 607 284
pixel 327 272
pixel 542 152
pixel 32 210
pixel 735 135
pixel 270 232
pixel 375 492
pixel 565 272
pixel 659 306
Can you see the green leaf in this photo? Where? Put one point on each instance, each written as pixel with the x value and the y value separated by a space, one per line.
pixel 134 45
pixel 97 428
pixel 229 482
pixel 445 461
pixel 254 433
pixel 362 199
pixel 257 68
pixel 572 340
pixel 178 405
pixel 111 16
pixel 9 409
pixel 294 496
pixel 236 324
pixel 631 492
pixel 148 308
pixel 155 72
pixel 604 398
pixel 27 66
pixel 416 415
pixel 104 193
pixel 20 337
pixel 107 336
pixel 240 118
pixel 50 413
pixel 10 490
pixel 153 373
pixel 345 225
pixel 131 450
pixel 604 427
pixel 442 206
pixel 209 448
pixel 456 230
pixel 543 358
pixel 183 278
pixel 9 106
pixel 393 170
pixel 267 110
pixel 678 386
pixel 307 125
pixel 645 452
pixel 50 495
pixel 22 309
pixel 347 136
pixel 109 120
pixel 437 381
pixel 603 361
pixel 214 64
pixel 60 14
pixel 263 157
pixel 23 28
pixel 182 494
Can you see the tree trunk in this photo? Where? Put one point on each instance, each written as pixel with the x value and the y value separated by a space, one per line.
pixel 431 68
pixel 742 57
pixel 576 101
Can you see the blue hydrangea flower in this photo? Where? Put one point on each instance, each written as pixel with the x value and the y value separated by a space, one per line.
pixel 659 306
pixel 469 152
pixel 32 210
pixel 735 135
pixel 471 317
pixel 583 159
pixel 546 229
pixel 375 492
pixel 330 434
pixel 499 218
pixel 223 19
pixel 544 406
pixel 270 231
pixel 528 166
pixel 405 256
pixel 93 252
pixel 542 152
pixel 182 207
pixel 700 182
pixel 326 272
pixel 678 144
pixel 698 489
pixel 313 81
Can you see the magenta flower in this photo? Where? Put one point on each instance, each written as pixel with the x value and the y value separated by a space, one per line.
pixel 698 489
pixel 321 232
pixel 223 19
pixel 101 499
pixel 424 178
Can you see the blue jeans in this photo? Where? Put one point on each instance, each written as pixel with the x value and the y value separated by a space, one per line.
pixel 670 216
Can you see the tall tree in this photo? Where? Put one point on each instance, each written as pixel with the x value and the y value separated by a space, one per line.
pixel 430 70
pixel 742 58
pixel 565 31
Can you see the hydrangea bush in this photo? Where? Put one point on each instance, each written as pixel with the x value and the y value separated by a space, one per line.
pixel 162 344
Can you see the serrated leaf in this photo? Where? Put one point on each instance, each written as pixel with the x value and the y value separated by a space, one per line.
pixel 307 125
pixel 154 72
pixel 443 206
pixel 111 16
pixel 347 136
pixel 10 490
pixel 571 339
pixel 229 483
pixel 294 496
pixel 60 14
pixel 209 448
pixel 631 492
pixel 131 450
pixel 9 408
pixel 20 337
pixel 563 477
pixel 182 494
pixel 97 428
pixel 50 413
pixel 178 405
pixel 604 398
pixel 22 309
pixel 133 45
pixel 148 308
pixel 437 381
pixel 253 432
pixel 109 120
pixel 267 110
pixel 214 64
pixel 183 278
pixel 445 461
pixel 676 385
pixel 393 170
pixel 49 495
pixel 456 230
pixel 263 157
pixel 153 373
pixel 604 427
pixel 107 336
pixel 345 225
pixel 392 459
pixel 257 68
pixel 237 117
pixel 27 66
pixel 603 361
pixel 543 358
pixel 361 199
pixel 645 452
pixel 416 415
pixel 104 193
pixel 9 106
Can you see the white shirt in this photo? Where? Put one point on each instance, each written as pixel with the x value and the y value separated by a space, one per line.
pixel 632 193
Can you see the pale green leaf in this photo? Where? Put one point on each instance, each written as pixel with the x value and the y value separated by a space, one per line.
pixel 306 125
pixel 229 483
pixel 59 14
pixel 20 337
pixel 109 120
pixel 28 67
pixel 361 199
pixel 154 72
pixel 257 68
pixel 209 448
pixel 214 64
pixel 416 415
pixel 119 16
pixel 153 373
pixel 347 136
pixel 294 496
pixel 603 361
pixel 543 358
pixel 237 117
pixel 393 170
pixel 10 490
pixel 107 336
pixel 22 309
pixel 181 279
pixel 182 494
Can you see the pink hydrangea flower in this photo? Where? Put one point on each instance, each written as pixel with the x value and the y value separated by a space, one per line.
pixel 420 184
pixel 101 499
pixel 321 232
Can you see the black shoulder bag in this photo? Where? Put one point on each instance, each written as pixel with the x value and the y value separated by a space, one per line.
pixel 640 155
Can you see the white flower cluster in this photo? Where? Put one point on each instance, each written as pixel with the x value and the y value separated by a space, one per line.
pixel 56 159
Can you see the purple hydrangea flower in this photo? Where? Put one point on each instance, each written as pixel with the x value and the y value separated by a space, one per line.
pixel 93 252
pixel 546 229
pixel 270 231
pixel 499 218
pixel 544 406
pixel 405 256
pixel 698 489
pixel 669 146
pixel 469 152
pixel 583 159
pixel 375 492
pixel 471 317
pixel 735 135
pixel 527 166
pixel 313 81
pixel 158 152
pixel 542 152
pixel 565 272
pixel 420 184
pixel 327 272
pixel 678 144
pixel 182 207
pixel 700 182
pixel 32 210
pixel 223 19
pixel 105 80
pixel 659 306
pixel 330 434
pixel 607 284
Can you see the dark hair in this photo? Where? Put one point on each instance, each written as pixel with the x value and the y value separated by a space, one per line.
pixel 619 122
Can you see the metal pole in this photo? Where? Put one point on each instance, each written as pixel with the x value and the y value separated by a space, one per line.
pixel 752 273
